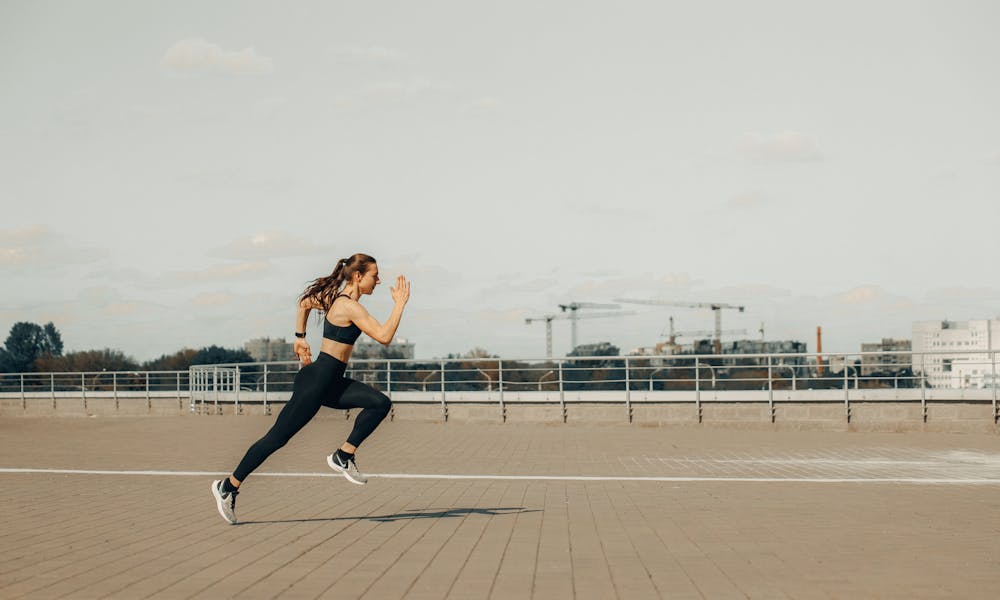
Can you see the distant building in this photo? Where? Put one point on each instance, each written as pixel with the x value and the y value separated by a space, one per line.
pixel 706 346
pixel 660 349
pixel 955 354
pixel 753 347
pixel 366 349
pixel 268 350
pixel 598 349
pixel 892 358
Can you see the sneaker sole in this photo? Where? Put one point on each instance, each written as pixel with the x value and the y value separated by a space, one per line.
pixel 342 471
pixel 218 503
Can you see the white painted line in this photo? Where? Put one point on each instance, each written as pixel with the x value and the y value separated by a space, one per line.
pixel 667 479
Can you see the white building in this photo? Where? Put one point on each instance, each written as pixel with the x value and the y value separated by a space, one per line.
pixel 268 350
pixel 955 354
pixel 368 349
pixel 893 357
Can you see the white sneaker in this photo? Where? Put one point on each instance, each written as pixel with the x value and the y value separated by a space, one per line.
pixel 225 502
pixel 348 469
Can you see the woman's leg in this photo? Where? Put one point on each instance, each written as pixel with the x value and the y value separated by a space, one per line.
pixel 374 404
pixel 307 395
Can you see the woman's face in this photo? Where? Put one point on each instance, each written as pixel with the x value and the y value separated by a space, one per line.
pixel 369 280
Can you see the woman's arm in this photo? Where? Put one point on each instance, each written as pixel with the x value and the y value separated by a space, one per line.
pixel 301 346
pixel 382 332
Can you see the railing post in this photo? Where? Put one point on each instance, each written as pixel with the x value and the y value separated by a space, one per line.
pixel 562 395
pixel 24 402
pixel 114 388
pixel 923 389
pixel 847 399
pixel 388 389
pixel 503 407
pixel 628 391
pixel 770 387
pixel 215 386
pixel 697 387
pixel 149 402
pixel 52 389
pixel 236 384
pixel 83 389
pixel 266 410
pixel 180 403
pixel 444 404
pixel 993 363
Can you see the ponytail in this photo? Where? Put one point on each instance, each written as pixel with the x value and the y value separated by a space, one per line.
pixel 324 289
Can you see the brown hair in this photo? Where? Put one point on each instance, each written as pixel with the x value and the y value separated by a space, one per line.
pixel 325 289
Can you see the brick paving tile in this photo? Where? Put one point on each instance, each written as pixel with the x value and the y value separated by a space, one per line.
pixel 314 535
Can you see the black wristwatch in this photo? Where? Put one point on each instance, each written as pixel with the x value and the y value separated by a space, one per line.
pixel 300 335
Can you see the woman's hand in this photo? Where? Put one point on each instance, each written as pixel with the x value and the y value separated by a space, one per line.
pixel 303 351
pixel 401 293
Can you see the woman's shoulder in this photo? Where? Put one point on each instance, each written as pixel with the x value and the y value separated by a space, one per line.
pixel 342 307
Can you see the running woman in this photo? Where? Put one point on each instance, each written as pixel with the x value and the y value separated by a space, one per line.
pixel 322 383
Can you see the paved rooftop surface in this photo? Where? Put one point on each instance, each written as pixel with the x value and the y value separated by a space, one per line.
pixel 121 507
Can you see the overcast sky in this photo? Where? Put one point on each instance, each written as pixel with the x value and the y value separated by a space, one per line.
pixel 174 173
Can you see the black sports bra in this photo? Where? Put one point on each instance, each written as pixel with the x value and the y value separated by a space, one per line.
pixel 345 335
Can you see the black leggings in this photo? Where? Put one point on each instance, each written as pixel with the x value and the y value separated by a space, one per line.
pixel 321 383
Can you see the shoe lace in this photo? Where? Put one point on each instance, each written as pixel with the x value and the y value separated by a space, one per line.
pixel 232 498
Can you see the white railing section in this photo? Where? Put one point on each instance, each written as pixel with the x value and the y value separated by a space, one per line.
pixel 128 386
pixel 869 377
pixel 969 376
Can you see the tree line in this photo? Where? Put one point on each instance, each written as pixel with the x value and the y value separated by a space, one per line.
pixel 34 348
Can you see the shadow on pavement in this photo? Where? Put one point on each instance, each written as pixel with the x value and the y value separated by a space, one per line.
pixel 426 513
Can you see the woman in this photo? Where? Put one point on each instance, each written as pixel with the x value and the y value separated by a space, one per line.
pixel 322 383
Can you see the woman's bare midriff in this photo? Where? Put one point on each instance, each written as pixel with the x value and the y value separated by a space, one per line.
pixel 338 350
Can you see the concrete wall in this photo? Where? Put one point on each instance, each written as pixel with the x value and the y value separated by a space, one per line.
pixel 876 410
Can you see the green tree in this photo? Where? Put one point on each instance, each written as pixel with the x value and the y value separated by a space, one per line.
pixel 178 361
pixel 27 342
pixel 214 355
pixel 87 361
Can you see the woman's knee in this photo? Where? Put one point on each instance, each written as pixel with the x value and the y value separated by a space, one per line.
pixel 382 403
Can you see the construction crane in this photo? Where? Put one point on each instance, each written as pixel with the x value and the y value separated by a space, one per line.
pixel 572 307
pixel 715 306
pixel 573 317
pixel 676 334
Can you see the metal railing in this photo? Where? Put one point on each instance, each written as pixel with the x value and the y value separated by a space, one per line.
pixel 840 377
pixel 844 377
pixel 104 384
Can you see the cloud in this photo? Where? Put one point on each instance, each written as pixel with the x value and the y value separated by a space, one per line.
pixel 747 200
pixel 787 146
pixel 944 173
pixel 236 271
pixel 994 160
pixel 601 211
pixel 38 247
pixel 391 92
pixel 632 287
pixel 505 285
pixel 23 247
pixel 751 290
pixel 482 107
pixel 129 274
pixel 394 91
pixel 951 294
pixel 860 295
pixel 267 245
pixel 357 54
pixel 196 56
pixel 213 299
pixel 121 309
